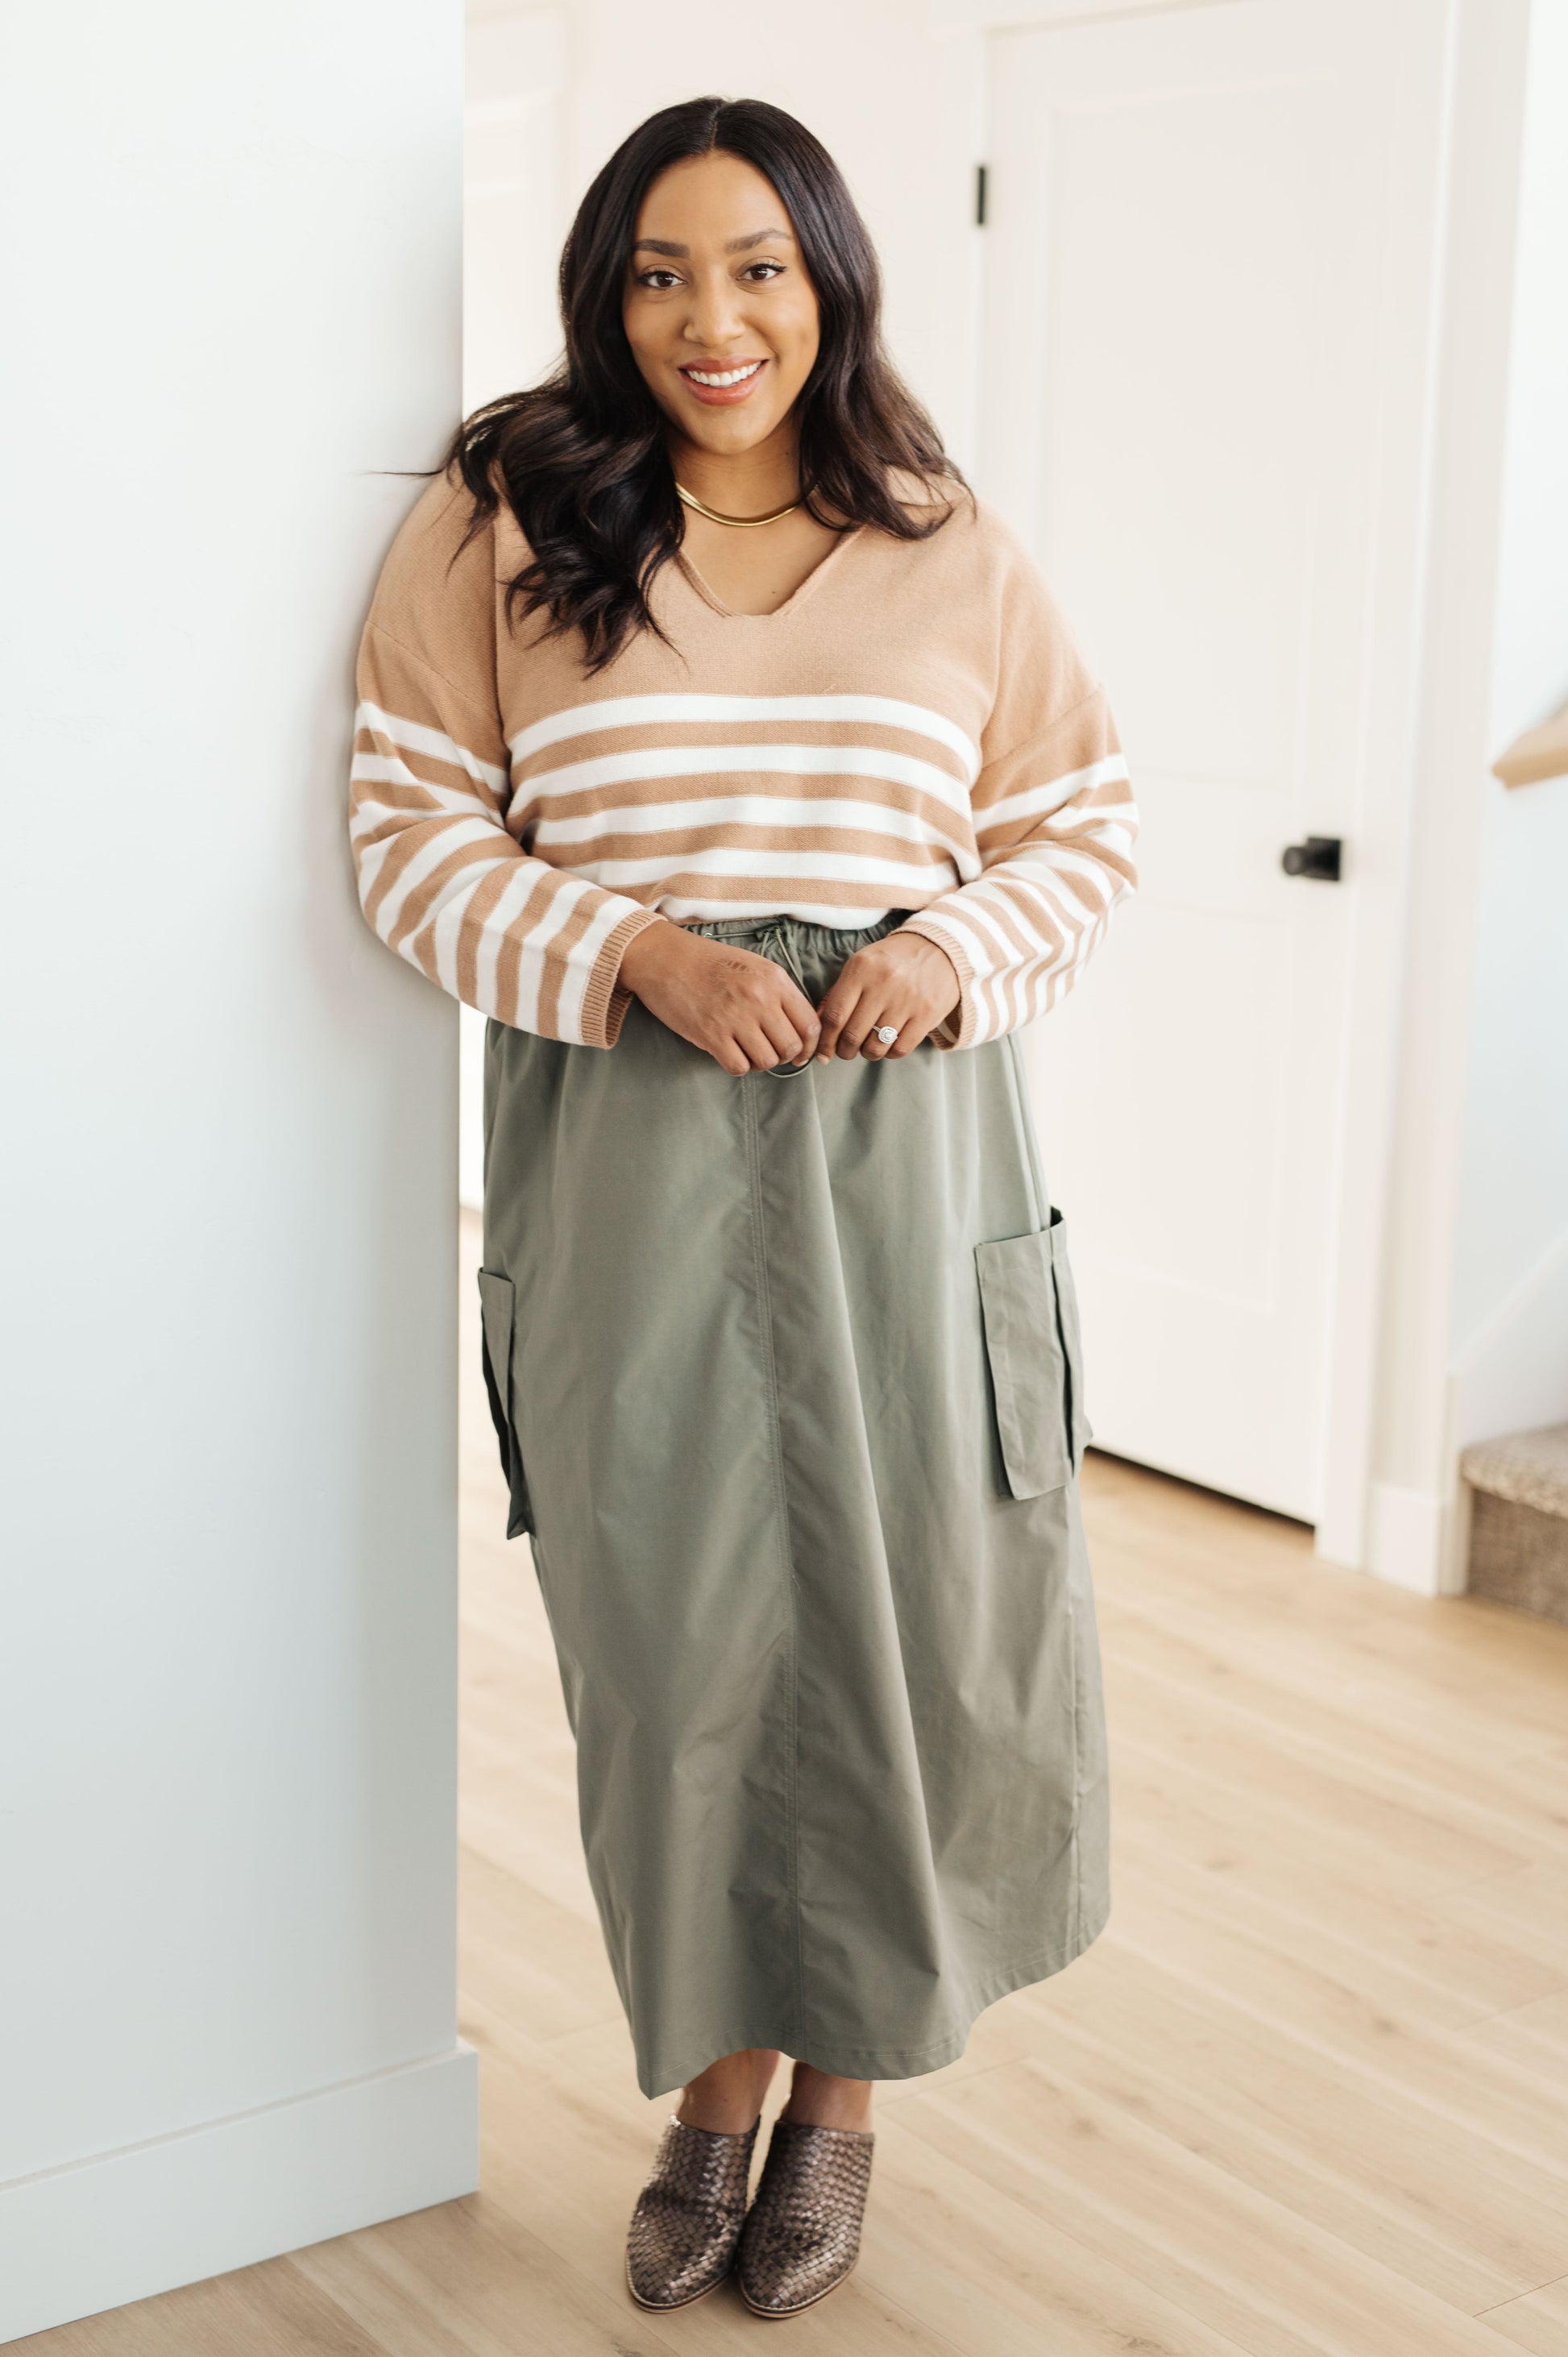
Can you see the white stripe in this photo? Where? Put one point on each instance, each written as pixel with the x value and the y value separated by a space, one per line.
pixel 580 965
pixel 369 861
pixel 830 867
pixel 667 711
pixel 1034 802
pixel 983 945
pixel 1072 919
pixel 827 913
pixel 1034 862
pixel 976 934
pixel 1023 919
pixel 741 760
pixel 447 927
pixel 415 737
pixel 994 1019
pixel 1096 838
pixel 450 836
pixel 531 974
pixel 447 910
pixel 984 1000
pixel 378 769
pixel 509 904
pixel 1091 829
pixel 771 810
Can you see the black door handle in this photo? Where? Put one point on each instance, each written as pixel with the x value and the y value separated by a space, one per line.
pixel 1317 858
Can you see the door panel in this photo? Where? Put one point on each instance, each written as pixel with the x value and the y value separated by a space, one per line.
pixel 1184 315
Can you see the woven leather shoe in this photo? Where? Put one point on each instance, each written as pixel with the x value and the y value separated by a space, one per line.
pixel 801 2236
pixel 688 2218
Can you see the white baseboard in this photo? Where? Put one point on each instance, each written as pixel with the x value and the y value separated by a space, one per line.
pixel 1407 1539
pixel 97 2233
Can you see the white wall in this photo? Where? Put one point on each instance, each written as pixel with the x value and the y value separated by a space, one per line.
pixel 227 1698
pixel 514 195
pixel 1475 1301
pixel 1510 1306
pixel 514 222
pixel 1470 378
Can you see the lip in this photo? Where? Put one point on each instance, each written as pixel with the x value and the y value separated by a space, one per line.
pixel 724 397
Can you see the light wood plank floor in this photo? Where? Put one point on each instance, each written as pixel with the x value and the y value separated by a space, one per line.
pixel 1309 2094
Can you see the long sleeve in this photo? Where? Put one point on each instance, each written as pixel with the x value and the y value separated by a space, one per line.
pixel 440 878
pixel 1055 824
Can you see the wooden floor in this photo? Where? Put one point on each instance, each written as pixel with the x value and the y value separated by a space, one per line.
pixel 1309 2093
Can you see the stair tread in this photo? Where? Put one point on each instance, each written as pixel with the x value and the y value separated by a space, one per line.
pixel 1528 1468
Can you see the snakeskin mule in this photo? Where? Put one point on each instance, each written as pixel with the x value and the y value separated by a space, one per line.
pixel 688 2218
pixel 801 2236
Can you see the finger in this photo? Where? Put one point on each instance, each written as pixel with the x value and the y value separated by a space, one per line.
pixel 785 1040
pixel 757 1047
pixel 730 1057
pixel 838 1002
pixel 903 1012
pixel 804 1017
pixel 875 1049
pixel 856 1024
pixel 910 1034
pixel 830 1015
pixel 797 1021
pixel 898 1015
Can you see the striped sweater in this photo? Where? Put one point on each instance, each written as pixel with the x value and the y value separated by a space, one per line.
pixel 914 729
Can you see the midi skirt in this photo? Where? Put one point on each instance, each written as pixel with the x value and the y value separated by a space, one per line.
pixel 787 1378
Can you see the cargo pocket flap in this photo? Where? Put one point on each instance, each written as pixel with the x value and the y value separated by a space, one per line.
pixel 498 1309
pixel 1079 1430
pixel 1030 1312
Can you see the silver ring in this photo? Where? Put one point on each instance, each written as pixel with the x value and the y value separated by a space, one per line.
pixel 886 1034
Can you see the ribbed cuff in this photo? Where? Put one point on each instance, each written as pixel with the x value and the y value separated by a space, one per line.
pixel 605 1000
pixel 958 1029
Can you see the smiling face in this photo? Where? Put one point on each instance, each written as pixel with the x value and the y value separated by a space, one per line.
pixel 719 312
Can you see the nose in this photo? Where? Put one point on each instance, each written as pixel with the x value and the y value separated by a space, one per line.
pixel 713 317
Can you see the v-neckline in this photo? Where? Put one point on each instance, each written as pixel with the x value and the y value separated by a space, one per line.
pixel 710 598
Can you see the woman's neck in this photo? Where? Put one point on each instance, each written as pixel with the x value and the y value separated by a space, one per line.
pixel 742 483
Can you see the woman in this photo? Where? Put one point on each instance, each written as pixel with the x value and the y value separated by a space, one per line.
pixel 741 766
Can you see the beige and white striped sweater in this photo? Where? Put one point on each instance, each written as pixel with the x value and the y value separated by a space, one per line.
pixel 914 728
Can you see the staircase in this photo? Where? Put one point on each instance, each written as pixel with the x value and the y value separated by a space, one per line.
pixel 1519 1522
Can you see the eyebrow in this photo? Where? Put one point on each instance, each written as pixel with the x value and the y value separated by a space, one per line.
pixel 736 245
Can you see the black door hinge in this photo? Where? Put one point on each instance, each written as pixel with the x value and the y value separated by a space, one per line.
pixel 979 196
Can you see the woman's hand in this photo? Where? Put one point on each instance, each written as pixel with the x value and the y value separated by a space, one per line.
pixel 904 980
pixel 742 1010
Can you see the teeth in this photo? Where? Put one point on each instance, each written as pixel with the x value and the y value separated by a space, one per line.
pixel 730 376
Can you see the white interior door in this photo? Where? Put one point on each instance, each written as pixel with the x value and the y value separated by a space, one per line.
pixel 1190 335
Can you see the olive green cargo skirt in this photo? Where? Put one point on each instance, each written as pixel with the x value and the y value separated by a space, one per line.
pixel 786 1375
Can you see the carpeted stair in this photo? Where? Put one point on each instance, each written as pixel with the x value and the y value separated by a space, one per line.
pixel 1519 1522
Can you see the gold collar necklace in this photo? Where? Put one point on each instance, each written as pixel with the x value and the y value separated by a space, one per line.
pixel 740 524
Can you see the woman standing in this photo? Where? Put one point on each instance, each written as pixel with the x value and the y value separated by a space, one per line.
pixel 741 766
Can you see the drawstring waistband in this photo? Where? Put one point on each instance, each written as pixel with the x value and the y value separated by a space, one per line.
pixel 778 937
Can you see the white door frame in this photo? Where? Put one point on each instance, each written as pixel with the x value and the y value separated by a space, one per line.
pixel 1408 371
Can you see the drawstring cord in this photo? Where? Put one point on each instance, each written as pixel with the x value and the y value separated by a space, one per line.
pixel 779 936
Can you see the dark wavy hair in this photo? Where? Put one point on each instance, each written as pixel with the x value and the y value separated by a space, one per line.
pixel 581 458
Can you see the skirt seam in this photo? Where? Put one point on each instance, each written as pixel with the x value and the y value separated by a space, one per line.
pixel 1025 1119
pixel 782 1497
